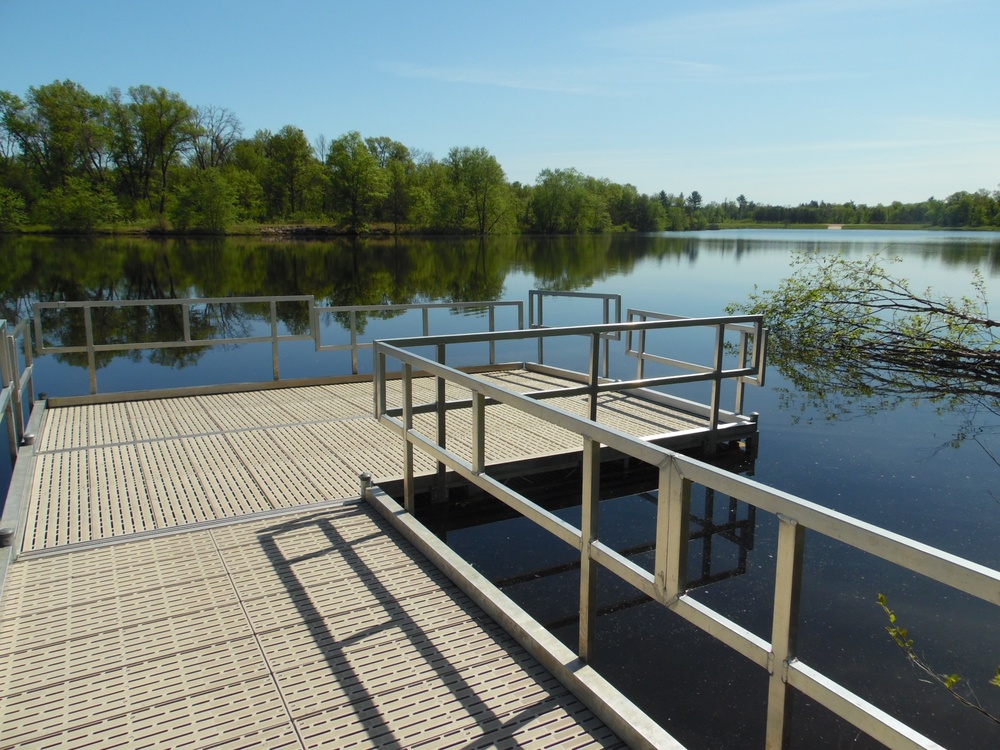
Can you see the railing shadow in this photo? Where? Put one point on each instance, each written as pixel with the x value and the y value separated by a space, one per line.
pixel 388 613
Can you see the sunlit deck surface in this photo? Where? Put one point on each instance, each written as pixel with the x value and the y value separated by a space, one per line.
pixel 138 466
pixel 179 586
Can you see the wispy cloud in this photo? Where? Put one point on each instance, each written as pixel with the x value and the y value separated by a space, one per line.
pixel 548 79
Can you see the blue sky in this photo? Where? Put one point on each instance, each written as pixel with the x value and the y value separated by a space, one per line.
pixel 783 102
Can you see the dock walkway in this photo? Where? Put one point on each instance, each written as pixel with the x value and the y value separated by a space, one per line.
pixel 198 572
pixel 137 466
pixel 321 629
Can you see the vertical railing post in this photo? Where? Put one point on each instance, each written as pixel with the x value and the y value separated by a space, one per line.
pixel 88 330
pixel 29 363
pixel 442 428
pixel 493 326
pixel 378 373
pixel 641 352
pixel 354 342
pixel 478 432
pixel 274 340
pixel 409 492
pixel 588 535
pixel 6 377
pixel 607 339
pixel 713 423
pixel 186 322
pixel 17 407
pixel 540 324
pixel 784 629
pixel 36 311
pixel 740 384
pixel 673 511
pixel 314 323
pixel 595 363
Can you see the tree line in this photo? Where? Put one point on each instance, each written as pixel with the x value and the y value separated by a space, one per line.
pixel 72 160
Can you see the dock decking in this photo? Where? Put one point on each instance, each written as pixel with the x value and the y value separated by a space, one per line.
pixel 107 470
pixel 317 630
pixel 134 618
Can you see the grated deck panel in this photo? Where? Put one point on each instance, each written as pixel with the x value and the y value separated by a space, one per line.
pixel 115 469
pixel 318 630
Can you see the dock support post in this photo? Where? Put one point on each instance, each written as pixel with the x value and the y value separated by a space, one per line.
pixel 673 511
pixel 588 535
pixel 408 488
pixel 784 629
pixel 441 488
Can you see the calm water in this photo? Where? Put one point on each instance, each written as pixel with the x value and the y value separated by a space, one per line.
pixel 901 469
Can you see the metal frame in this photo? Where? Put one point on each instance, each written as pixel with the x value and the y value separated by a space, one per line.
pixel 752 352
pixel 91 348
pixel 16 382
pixel 536 299
pixel 592 383
pixel 667 583
pixel 425 307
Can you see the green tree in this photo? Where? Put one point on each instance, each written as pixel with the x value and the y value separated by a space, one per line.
pixel 61 130
pixel 292 179
pixel 207 202
pixel 79 206
pixel 152 131
pixel 845 331
pixel 358 181
pixel 481 185
pixel 12 214
pixel 564 200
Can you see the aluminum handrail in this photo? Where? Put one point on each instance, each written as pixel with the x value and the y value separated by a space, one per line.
pixel 667 582
pixel 715 374
pixel 17 383
pixel 536 300
pixel 425 307
pixel 91 348
pixel 752 346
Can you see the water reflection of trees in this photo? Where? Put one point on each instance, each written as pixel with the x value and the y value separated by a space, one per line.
pixel 337 273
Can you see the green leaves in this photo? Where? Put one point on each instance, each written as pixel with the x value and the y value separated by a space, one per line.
pixel 949 682
pixel 844 330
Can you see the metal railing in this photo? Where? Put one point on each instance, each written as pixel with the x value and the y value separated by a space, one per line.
pixel 751 352
pixel 667 582
pixel 354 346
pixel 592 382
pixel 92 346
pixel 18 384
pixel 536 316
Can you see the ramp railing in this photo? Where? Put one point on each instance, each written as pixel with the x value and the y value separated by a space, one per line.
pixel 18 383
pixel 667 580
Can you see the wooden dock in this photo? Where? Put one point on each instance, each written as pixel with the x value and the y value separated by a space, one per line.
pixel 199 572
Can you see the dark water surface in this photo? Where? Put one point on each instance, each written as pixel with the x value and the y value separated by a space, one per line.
pixel 903 469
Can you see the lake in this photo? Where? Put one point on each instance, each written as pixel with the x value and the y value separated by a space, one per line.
pixel 916 470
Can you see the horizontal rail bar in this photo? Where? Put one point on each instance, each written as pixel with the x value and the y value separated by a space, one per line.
pixel 605 435
pixel 419 306
pixel 738 638
pixel 870 719
pixel 585 330
pixel 957 572
pixel 177 302
pixel 172 344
